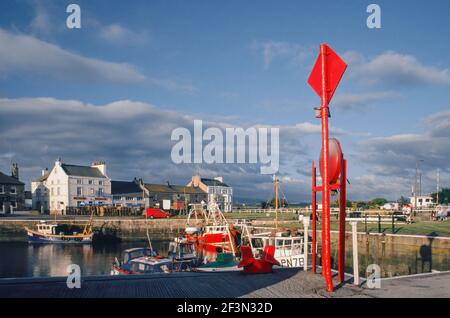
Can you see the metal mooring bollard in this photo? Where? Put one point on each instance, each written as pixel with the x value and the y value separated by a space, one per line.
pixel 355 253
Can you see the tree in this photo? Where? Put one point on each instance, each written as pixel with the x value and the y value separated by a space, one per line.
pixel 444 196
pixel 402 201
pixel 282 203
pixel 377 202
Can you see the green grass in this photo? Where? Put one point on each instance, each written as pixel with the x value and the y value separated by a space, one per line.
pixel 252 216
pixel 418 228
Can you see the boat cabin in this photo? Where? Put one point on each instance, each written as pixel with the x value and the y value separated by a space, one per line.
pixel 149 264
pixel 285 246
pixel 214 229
pixel 134 253
pixel 182 250
pixel 45 228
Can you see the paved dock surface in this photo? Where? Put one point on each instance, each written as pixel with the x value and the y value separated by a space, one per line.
pixel 281 283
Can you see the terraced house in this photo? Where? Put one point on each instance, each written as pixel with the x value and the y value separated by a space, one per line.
pixel 68 185
pixel 11 191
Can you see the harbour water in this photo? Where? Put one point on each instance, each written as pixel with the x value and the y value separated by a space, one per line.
pixel 20 259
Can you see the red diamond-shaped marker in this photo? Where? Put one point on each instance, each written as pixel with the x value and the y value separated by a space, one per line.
pixel 335 69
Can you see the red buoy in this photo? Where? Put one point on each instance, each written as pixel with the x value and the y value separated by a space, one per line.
pixel 334 160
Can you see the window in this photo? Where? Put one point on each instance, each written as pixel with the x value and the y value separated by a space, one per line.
pixel 100 191
pixel 38 192
pixel 79 181
pixel 2 189
pixel 57 191
pixel 12 190
pixel 79 191
pixel 92 191
pixel 91 181
pixel 14 204
pixel 52 192
pixel 100 182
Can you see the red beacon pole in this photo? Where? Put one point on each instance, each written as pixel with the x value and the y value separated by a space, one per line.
pixel 324 79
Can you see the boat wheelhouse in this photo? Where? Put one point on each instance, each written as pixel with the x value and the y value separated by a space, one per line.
pixel 289 249
pixel 183 254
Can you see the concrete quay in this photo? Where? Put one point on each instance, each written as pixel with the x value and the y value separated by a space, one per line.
pixel 286 283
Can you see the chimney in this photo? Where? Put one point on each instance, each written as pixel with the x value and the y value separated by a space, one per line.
pixel 196 181
pixel 220 179
pixel 100 165
pixel 44 171
pixel 15 171
pixel 58 162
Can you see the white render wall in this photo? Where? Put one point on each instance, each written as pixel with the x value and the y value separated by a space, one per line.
pixel 89 191
pixel 62 189
pixel 57 182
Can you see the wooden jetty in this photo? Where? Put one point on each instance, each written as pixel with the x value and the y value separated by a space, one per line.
pixel 282 283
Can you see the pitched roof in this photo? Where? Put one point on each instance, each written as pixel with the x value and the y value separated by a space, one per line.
pixel 82 171
pixel 163 188
pixel 4 179
pixel 214 183
pixel 42 178
pixel 121 187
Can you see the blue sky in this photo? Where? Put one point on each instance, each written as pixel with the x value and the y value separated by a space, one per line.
pixel 231 62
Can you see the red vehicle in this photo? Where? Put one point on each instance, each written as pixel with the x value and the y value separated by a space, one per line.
pixel 156 213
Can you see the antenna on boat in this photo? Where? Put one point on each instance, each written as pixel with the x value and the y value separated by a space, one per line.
pixel 148 235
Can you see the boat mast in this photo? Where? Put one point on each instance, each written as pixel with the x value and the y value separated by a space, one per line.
pixel 276 202
pixel 437 187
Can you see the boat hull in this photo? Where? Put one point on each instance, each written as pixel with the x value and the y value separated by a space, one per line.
pixel 34 237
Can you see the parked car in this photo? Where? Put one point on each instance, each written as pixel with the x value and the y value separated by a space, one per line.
pixel 156 213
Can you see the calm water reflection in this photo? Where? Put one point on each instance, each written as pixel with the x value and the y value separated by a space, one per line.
pixel 20 259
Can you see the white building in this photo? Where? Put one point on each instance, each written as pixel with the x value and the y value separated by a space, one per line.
pixel 216 189
pixel 69 185
pixel 39 192
pixel 423 201
pixel 390 206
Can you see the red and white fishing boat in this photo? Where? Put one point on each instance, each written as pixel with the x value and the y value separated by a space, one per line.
pixel 210 230
pixel 287 247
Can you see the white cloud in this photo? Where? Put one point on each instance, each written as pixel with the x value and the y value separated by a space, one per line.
pixel 391 160
pixel 118 34
pixel 360 102
pixel 41 23
pixel 28 54
pixel 133 137
pixel 293 52
pixel 395 68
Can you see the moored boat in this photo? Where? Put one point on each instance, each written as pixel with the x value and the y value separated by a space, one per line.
pixel 288 248
pixel 210 230
pixel 225 262
pixel 143 260
pixel 59 233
